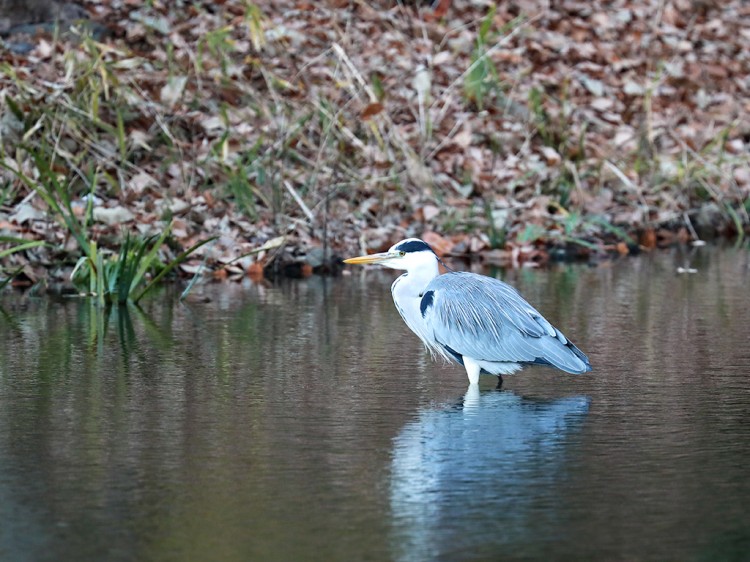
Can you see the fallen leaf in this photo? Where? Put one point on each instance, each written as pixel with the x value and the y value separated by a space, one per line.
pixel 172 91
pixel 550 155
pixel 429 212
pixel 112 216
pixel 439 244
pixel 255 271
pixel 371 110
pixel 141 181
pixel 26 212
pixel 648 239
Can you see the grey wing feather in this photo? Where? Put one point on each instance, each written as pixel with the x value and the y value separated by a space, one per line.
pixel 488 320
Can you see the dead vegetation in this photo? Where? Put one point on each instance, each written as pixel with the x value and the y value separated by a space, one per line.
pixel 295 131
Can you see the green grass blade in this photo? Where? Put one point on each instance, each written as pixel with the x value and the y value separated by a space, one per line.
pixel 4 282
pixel 121 138
pixel 616 230
pixel 145 262
pixel 57 197
pixel 13 239
pixel 22 247
pixel 122 269
pixel 100 281
pixel 32 186
pixel 581 242
pixel 174 263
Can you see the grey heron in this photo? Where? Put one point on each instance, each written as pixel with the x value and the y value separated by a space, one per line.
pixel 477 321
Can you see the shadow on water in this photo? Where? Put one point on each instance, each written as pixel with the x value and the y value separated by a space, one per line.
pixel 478 473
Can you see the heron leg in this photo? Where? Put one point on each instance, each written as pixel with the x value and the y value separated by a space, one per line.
pixel 472 370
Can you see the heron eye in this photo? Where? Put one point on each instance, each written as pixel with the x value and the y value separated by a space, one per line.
pixel 402 254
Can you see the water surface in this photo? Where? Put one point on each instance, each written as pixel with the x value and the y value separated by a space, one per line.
pixel 303 421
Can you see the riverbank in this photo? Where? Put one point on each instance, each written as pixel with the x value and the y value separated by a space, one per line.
pixel 295 132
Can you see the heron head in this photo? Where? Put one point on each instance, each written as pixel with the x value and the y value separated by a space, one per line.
pixel 409 254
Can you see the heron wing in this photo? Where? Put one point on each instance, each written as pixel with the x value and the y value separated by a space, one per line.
pixel 489 320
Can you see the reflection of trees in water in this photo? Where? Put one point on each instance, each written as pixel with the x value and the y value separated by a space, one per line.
pixel 471 477
pixel 280 392
pixel 246 409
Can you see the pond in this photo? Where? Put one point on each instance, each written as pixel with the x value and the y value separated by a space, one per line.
pixel 303 421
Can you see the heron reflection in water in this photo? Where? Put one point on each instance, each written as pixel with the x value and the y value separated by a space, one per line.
pixel 477 321
pixel 479 476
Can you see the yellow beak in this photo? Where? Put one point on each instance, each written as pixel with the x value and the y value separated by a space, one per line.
pixel 373 258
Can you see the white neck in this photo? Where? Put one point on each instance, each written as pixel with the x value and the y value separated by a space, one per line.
pixel 419 275
pixel 408 291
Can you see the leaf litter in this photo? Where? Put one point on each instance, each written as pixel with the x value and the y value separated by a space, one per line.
pixel 300 131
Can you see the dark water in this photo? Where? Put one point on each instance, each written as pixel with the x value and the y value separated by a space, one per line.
pixel 304 422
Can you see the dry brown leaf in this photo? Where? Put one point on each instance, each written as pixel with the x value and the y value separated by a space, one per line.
pixel 371 110
pixel 438 243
